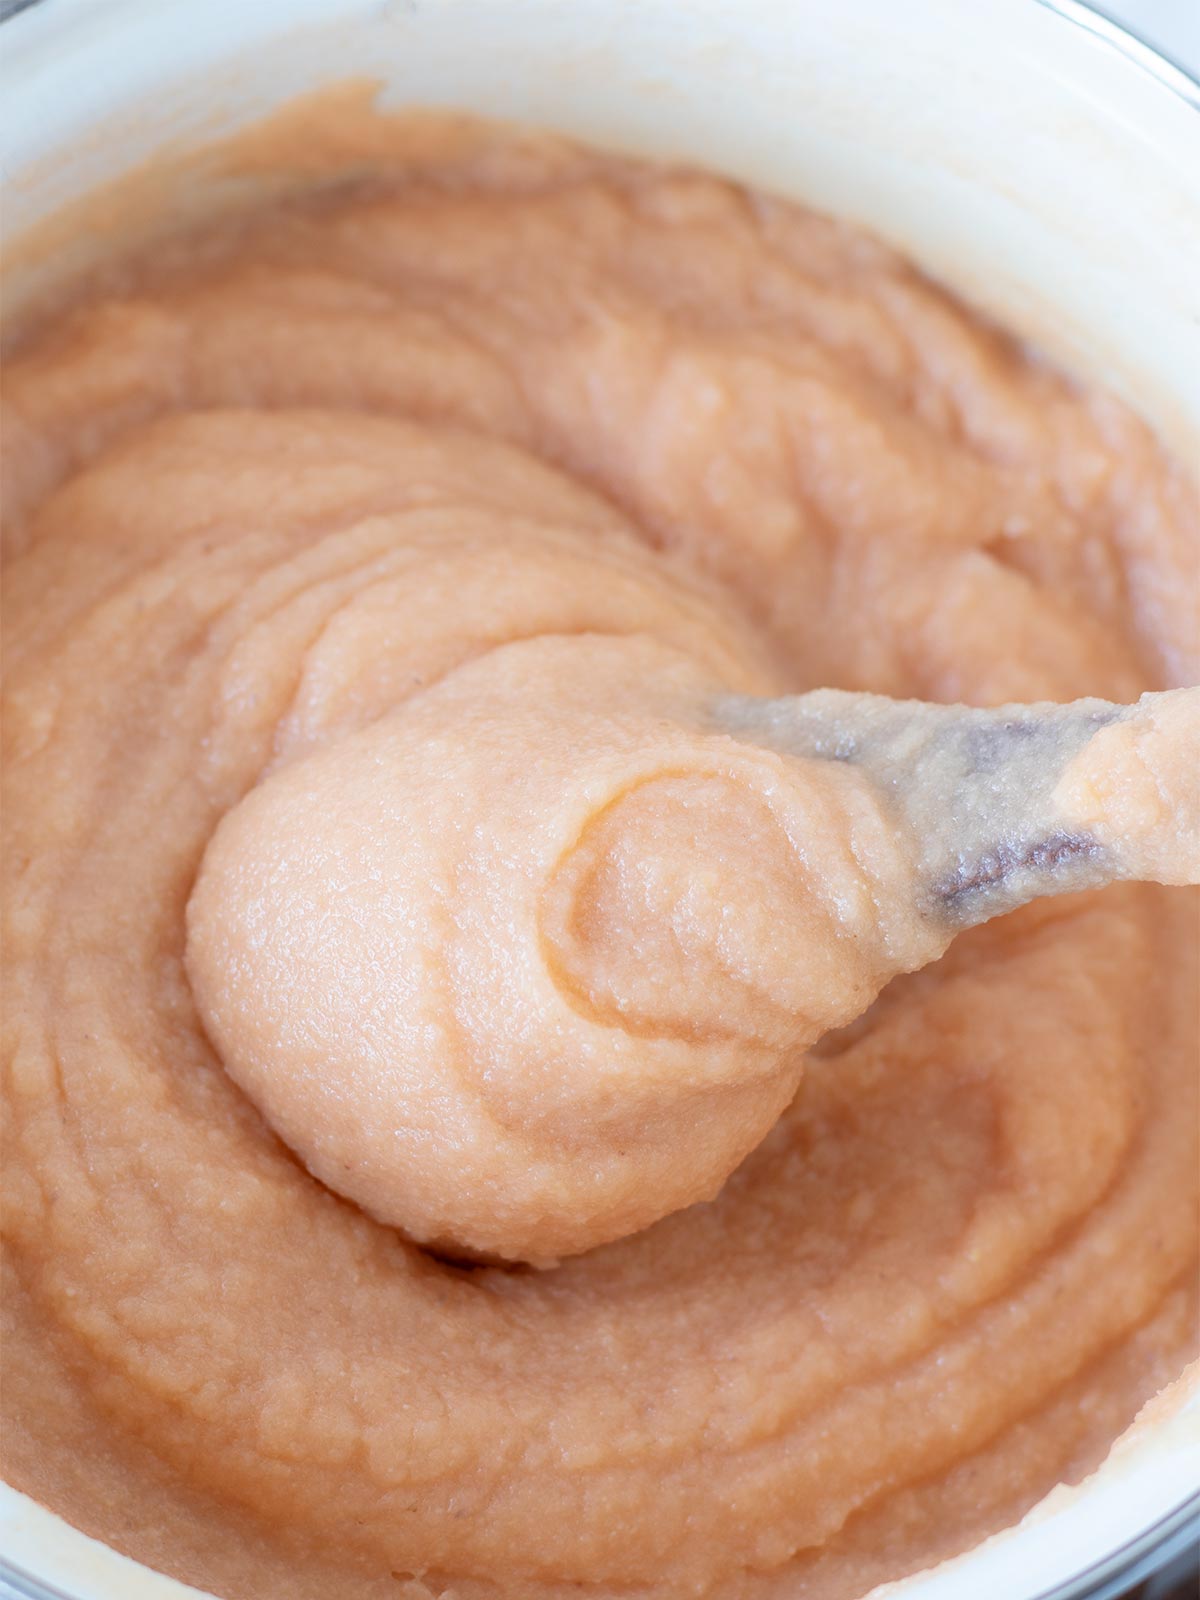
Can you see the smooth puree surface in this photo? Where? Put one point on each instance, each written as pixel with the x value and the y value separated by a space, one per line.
pixel 472 474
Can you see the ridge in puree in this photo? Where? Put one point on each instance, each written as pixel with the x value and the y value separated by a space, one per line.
pixel 463 473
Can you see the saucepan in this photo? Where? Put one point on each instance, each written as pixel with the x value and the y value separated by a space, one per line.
pixel 1032 156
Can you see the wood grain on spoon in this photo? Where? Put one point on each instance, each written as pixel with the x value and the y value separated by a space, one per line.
pixel 1009 804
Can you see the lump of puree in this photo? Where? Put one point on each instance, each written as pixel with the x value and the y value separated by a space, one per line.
pixel 371 899
pixel 532 960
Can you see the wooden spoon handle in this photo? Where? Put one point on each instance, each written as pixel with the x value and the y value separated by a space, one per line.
pixel 1009 804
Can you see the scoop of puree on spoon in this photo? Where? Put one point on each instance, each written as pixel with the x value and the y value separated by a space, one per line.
pixel 534 959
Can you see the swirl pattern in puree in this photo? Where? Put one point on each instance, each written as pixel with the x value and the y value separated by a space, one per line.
pixel 297 508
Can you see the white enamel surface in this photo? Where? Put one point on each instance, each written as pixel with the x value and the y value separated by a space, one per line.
pixel 1024 161
pixel 1171 25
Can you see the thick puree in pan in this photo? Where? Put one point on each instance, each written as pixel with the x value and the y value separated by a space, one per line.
pixel 373 918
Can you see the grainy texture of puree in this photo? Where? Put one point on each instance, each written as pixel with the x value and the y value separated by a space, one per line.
pixel 266 485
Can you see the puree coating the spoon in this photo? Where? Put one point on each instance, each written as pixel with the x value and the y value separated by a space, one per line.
pixel 533 959
pixel 299 509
